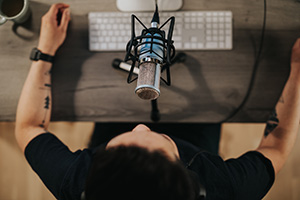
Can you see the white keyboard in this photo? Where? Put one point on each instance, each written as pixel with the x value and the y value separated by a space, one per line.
pixel 193 30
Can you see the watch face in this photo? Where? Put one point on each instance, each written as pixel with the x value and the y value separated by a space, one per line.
pixel 35 54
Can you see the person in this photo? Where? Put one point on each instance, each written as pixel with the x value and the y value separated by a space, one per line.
pixel 143 164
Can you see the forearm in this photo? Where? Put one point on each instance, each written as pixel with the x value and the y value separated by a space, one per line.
pixel 282 128
pixel 288 107
pixel 34 108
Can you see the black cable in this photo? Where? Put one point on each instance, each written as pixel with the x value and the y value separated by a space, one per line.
pixel 256 63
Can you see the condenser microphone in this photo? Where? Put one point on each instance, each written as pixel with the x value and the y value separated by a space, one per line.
pixel 150 59
pixel 153 52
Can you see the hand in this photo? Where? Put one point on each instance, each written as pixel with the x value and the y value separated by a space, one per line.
pixel 295 59
pixel 53 29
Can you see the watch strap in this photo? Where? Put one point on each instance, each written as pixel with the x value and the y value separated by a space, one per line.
pixel 36 55
pixel 46 57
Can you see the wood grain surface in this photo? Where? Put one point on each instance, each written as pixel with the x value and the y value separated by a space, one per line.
pixel 208 87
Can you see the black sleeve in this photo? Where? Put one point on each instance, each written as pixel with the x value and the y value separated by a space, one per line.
pixel 252 175
pixel 62 171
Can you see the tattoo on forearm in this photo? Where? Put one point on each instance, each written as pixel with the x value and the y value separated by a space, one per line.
pixel 47 87
pixel 47 102
pixel 272 123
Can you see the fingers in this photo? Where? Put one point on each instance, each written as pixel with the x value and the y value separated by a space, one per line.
pixel 55 8
pixel 65 19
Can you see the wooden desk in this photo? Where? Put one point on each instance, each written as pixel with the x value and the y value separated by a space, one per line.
pixel 207 88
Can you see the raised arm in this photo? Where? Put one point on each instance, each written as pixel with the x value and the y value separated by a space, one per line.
pixel 34 108
pixel 282 127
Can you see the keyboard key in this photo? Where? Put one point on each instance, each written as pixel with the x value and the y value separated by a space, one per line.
pixel 122 45
pixel 115 27
pixel 187 20
pixel 228 42
pixel 177 20
pixel 178 45
pixel 93 33
pixel 95 26
pixel 200 45
pixel 200 26
pixel 212 45
pixel 103 46
pixel 227 19
pixel 93 46
pixel 128 26
pixel 200 19
pixel 176 38
pixel 119 39
pixel 187 45
pixel 112 45
pixel 193 39
pixel 93 39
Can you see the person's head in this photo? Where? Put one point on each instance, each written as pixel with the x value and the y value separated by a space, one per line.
pixel 142 165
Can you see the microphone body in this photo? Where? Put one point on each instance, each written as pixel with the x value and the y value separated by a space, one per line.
pixel 150 59
pixel 148 81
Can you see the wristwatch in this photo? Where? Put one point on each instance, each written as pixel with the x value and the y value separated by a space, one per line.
pixel 36 55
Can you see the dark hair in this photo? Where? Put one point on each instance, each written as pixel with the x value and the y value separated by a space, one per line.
pixel 135 173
